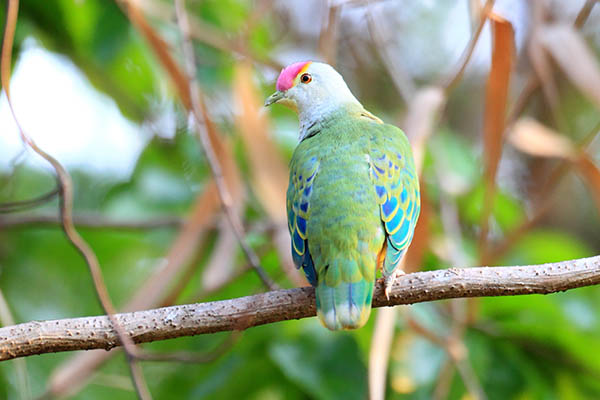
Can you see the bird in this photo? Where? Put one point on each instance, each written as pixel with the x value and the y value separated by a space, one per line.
pixel 353 198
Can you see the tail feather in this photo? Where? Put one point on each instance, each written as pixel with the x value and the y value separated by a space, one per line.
pixel 345 306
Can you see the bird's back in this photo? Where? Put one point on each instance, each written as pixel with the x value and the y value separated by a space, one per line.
pixel 334 214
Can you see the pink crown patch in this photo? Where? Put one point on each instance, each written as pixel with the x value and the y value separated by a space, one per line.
pixel 289 73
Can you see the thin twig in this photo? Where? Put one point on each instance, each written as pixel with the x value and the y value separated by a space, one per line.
pixel 200 121
pixel 65 186
pixel 533 83
pixel 584 13
pixel 22 205
pixel 93 222
pixel 545 197
pixel 39 337
pixel 451 81
pixel 444 380
pixel 191 357
pixel 151 294
pixel 457 352
pixel 400 78
pixel 329 31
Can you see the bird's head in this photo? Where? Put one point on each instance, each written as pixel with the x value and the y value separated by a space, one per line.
pixel 311 88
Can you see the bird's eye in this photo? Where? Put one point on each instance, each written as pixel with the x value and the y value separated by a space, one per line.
pixel 305 78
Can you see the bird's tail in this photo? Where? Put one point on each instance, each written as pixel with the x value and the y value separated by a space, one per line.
pixel 345 306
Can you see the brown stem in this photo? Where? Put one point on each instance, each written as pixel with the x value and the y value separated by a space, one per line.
pixel 65 186
pixel 201 126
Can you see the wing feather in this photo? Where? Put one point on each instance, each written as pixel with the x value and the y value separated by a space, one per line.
pixel 302 177
pixel 397 190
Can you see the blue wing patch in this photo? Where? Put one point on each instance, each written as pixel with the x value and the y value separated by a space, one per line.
pixel 397 189
pixel 302 177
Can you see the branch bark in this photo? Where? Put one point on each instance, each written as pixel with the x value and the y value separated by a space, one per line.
pixel 38 337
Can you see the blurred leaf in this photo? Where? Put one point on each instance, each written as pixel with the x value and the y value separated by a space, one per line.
pixel 535 139
pixel 496 96
pixel 574 57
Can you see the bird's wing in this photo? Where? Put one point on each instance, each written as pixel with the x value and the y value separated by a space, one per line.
pixel 397 187
pixel 302 177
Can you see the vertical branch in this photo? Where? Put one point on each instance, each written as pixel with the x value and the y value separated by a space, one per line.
pixel 66 209
pixel 201 122
pixel 379 354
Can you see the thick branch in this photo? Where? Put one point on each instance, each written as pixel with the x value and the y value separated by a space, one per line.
pixel 237 314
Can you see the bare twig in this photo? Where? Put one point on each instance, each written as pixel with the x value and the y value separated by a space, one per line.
pixel 14 206
pixel 66 208
pixel 444 380
pixel 584 13
pixel 400 78
pixel 533 83
pixel 191 357
pixel 453 79
pixel 201 121
pixel 92 221
pixel 238 314
pixel 544 204
pixel 153 293
pixel 379 353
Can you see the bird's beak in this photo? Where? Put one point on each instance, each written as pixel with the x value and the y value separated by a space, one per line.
pixel 274 98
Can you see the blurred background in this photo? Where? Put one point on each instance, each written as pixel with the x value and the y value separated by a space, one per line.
pixel 507 149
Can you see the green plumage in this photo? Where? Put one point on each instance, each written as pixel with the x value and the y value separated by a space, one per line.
pixel 353 195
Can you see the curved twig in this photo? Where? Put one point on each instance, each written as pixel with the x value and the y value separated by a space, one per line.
pixel 451 81
pixel 65 190
pixel 38 337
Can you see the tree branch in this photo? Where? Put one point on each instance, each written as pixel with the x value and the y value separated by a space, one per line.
pixel 238 314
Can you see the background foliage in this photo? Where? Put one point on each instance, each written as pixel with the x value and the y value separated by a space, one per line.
pixel 543 201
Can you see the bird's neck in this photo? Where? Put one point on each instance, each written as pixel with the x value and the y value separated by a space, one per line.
pixel 314 118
